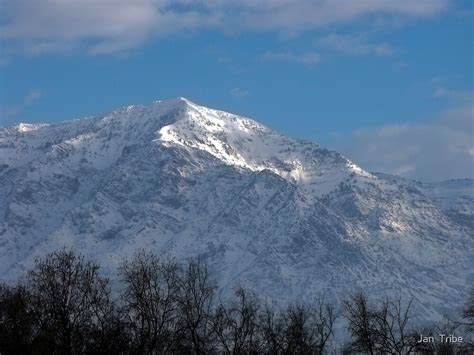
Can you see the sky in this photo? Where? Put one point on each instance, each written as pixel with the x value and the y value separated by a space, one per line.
pixel 387 83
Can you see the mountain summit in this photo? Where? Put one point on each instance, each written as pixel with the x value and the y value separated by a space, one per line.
pixel 280 215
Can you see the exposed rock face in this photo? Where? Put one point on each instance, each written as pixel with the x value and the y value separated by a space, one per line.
pixel 280 215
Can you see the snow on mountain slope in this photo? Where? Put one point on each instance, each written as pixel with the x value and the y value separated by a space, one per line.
pixel 284 216
pixel 245 143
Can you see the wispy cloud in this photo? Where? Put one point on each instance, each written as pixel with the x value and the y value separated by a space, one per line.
pixel 441 148
pixel 239 93
pixel 354 44
pixel 309 59
pixel 457 95
pixel 115 25
pixel 442 88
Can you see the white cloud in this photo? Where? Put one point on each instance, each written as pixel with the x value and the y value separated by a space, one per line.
pixel 239 93
pixel 307 58
pixel 115 25
pixel 439 149
pixel 457 95
pixel 100 26
pixel 354 44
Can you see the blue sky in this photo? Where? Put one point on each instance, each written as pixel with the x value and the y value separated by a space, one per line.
pixel 364 77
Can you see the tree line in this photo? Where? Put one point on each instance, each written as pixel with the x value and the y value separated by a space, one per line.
pixel 65 306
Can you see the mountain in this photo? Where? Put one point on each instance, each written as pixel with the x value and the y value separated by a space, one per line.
pixel 283 216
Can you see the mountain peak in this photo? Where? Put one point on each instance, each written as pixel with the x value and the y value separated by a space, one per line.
pixel 245 143
pixel 179 123
pixel 176 101
pixel 280 214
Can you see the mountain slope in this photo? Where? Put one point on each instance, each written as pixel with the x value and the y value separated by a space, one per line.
pixel 284 216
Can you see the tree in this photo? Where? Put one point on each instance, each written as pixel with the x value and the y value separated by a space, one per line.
pixel 16 320
pixel 70 302
pixel 298 337
pixel 271 331
pixel 65 307
pixel 195 308
pixel 325 316
pixel 384 329
pixel 360 323
pixel 236 327
pixel 392 327
pixel 150 298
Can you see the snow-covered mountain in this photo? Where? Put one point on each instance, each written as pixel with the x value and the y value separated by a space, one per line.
pixel 283 216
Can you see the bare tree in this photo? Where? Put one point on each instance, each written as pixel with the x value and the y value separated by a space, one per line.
pixel 360 319
pixel 70 301
pixel 16 320
pixel 383 329
pixel 195 308
pixel 392 327
pixel 150 301
pixel 307 329
pixel 298 338
pixel 65 307
pixel 271 330
pixel 236 327
pixel 325 316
